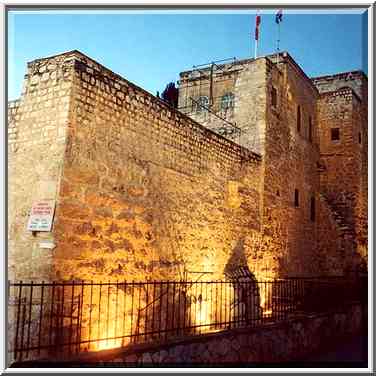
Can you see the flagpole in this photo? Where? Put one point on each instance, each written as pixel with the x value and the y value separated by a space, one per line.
pixel 257 24
pixel 279 36
pixel 278 40
pixel 278 20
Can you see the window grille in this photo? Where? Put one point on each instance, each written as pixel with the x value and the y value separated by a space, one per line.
pixel 202 103
pixel 227 101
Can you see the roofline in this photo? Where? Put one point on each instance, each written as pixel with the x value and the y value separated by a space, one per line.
pixel 291 60
pixel 340 74
pixel 67 53
pixel 284 54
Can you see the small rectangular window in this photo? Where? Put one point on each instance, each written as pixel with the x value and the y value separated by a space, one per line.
pixel 360 138
pixel 296 198
pixel 313 209
pixel 335 134
pixel 274 97
pixel 310 129
pixel 298 119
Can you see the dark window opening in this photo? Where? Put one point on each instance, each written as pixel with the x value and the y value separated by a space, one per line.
pixel 313 209
pixel 278 194
pixel 274 97
pixel 335 134
pixel 310 129
pixel 298 119
pixel 360 138
pixel 296 198
pixel 227 101
pixel 201 104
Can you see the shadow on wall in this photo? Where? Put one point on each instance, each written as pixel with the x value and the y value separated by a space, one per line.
pixel 246 305
pixel 164 310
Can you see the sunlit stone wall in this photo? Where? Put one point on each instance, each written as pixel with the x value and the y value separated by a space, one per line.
pixel 288 245
pixel 37 125
pixel 142 192
pixel 146 192
pixel 291 156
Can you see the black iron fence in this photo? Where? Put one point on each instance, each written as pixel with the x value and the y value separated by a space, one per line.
pixel 59 319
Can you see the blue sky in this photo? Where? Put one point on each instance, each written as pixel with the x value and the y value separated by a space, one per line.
pixel 151 48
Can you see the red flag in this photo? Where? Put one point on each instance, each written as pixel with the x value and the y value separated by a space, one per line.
pixel 258 22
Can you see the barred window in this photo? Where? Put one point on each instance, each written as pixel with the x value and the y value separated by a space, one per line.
pixel 202 103
pixel 227 101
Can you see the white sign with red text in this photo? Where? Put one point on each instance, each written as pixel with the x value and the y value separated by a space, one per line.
pixel 41 215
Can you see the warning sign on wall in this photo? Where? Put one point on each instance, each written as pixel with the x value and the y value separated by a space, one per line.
pixel 41 215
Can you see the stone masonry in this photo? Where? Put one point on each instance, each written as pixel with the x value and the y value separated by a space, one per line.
pixel 143 191
pixel 290 342
pixel 325 232
pixel 246 173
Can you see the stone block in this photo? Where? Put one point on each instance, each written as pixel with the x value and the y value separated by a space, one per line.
pixel 34 80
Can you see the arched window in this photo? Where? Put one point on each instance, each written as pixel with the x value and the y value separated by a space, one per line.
pixel 227 101
pixel 202 103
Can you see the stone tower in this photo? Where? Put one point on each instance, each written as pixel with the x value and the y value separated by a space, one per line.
pixel 343 135
pixel 314 188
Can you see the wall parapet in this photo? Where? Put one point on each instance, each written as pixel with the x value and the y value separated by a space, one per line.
pixel 14 103
pixel 346 92
pixel 339 76
pixel 125 92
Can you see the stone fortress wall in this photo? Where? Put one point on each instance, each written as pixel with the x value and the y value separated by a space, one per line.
pixel 142 191
pixel 343 105
pixel 156 193
pixel 145 192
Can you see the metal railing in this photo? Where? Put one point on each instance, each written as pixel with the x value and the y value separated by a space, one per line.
pixel 58 319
